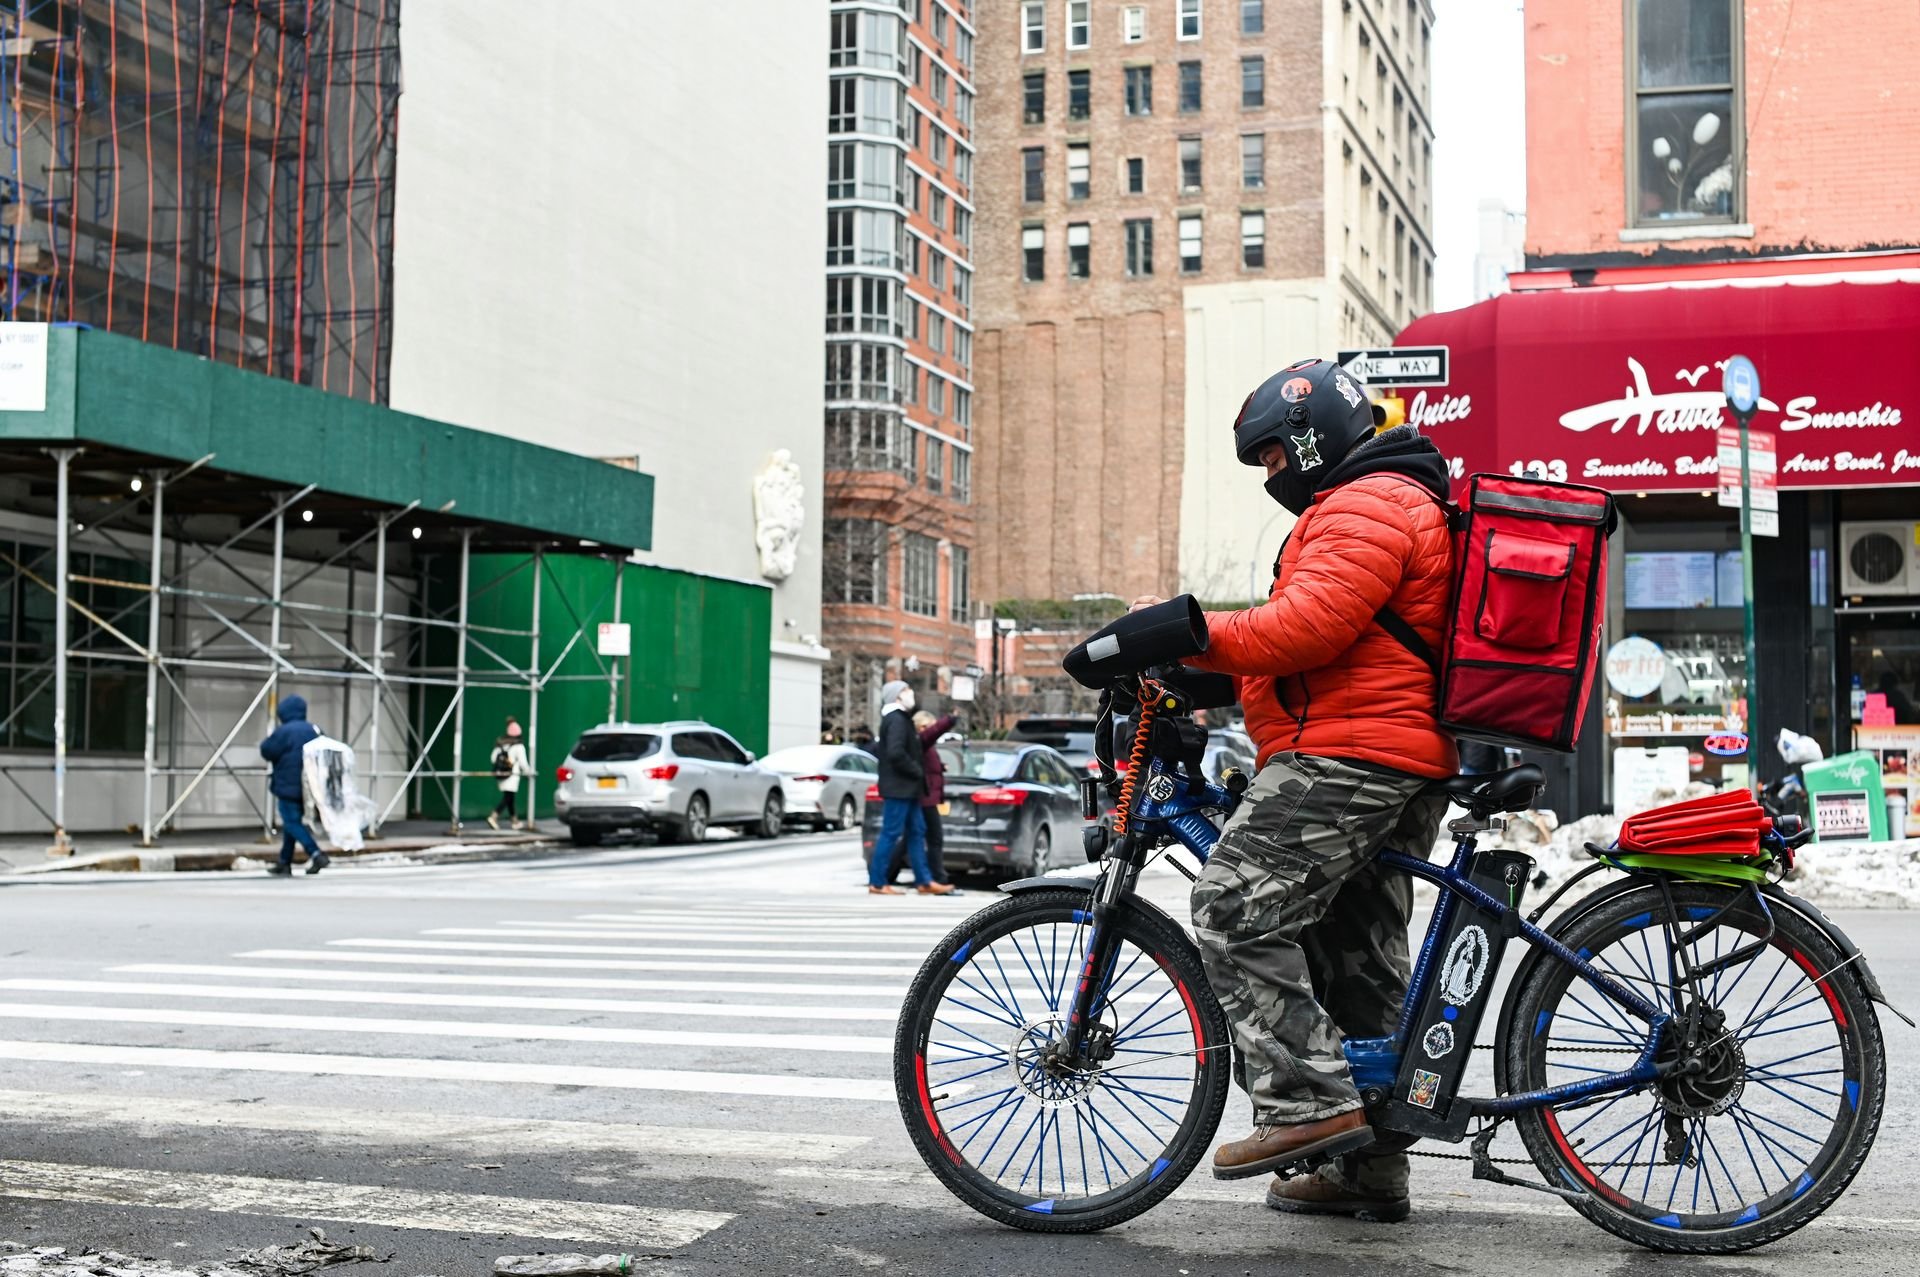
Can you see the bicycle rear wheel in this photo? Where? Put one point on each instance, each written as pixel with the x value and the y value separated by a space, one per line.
pixel 1041 1148
pixel 1762 1139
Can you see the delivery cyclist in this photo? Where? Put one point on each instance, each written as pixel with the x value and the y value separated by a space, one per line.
pixel 1304 936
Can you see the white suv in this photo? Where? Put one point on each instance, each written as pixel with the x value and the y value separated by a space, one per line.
pixel 677 779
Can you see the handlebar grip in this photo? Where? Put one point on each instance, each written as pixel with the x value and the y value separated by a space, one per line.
pixel 1165 633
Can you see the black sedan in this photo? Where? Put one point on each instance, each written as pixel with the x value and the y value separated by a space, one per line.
pixel 1012 809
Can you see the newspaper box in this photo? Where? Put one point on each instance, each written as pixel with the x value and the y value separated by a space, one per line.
pixel 1846 798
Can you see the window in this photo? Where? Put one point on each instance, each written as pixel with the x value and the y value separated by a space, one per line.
pixel 1190 245
pixel 867 439
pixel 1033 24
pixel 1079 250
pixel 962 459
pixel 913 326
pixel 937 270
pixel 1253 81
pixel 937 209
pixel 962 348
pixel 1189 163
pixel 913 190
pixel 876 40
pixel 939 86
pixel 1034 94
pixel 910 384
pixel 962 165
pixel 853 561
pixel 1189 19
pixel 840 170
pixel 1253 161
pixel 1189 86
pixel 920 570
pixel 1253 240
pixel 1079 170
pixel 1079 94
pixel 939 24
pixel 1033 170
pixel 1079 23
pixel 857 370
pixel 963 50
pixel 1140 246
pixel 1133 24
pixel 1139 90
pixel 962 406
pixel 1253 17
pixel 1684 167
pixel 861 104
pixel 936 464
pixel 840 103
pixel 963 226
pixel 959 603
pixel 962 285
pixel 1136 175
pixel 1033 252
pixel 936 333
pixel 840 237
pixel 936 394
pixel 866 303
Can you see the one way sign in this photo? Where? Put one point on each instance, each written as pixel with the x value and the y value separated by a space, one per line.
pixel 1398 365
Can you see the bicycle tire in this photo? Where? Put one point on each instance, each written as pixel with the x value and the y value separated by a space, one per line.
pixel 1779 1196
pixel 940 1135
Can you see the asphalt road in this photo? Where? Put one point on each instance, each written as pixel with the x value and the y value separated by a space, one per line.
pixel 598 1053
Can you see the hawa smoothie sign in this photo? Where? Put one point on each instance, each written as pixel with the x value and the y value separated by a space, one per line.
pixel 1619 387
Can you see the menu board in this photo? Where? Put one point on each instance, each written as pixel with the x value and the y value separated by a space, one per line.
pixel 1671 579
pixel 1729 587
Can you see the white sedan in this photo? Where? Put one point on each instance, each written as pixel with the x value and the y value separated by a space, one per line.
pixel 825 785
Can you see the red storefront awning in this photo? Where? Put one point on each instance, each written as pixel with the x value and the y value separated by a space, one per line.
pixel 1619 386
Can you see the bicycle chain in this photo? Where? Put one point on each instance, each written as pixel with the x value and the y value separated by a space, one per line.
pixel 1527 1161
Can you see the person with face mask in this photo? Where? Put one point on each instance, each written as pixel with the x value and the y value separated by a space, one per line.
pixel 1304 936
pixel 903 784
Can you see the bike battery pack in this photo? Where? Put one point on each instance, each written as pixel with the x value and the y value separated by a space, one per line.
pixel 1459 984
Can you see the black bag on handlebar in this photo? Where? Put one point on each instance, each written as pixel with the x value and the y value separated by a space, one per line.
pixel 1163 634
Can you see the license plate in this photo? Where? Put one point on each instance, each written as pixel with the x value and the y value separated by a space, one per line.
pixel 607 782
pixel 945 809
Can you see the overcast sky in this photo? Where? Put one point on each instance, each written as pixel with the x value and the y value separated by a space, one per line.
pixel 1479 111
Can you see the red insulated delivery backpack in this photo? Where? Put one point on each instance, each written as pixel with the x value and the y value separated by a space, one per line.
pixel 1529 596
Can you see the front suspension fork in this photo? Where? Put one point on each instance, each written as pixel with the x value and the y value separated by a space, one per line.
pixel 1117 879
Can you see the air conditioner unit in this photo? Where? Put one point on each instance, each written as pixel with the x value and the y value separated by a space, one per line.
pixel 1881 556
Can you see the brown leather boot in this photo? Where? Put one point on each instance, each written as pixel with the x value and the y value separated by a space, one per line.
pixel 1271 1146
pixel 1314 1195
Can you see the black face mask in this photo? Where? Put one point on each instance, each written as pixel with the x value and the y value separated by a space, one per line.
pixel 1292 490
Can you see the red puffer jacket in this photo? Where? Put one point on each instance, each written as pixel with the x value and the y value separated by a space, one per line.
pixel 1316 674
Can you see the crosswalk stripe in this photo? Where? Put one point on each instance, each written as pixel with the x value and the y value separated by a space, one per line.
pixel 632 950
pixel 755 923
pixel 496 980
pixel 870 1091
pixel 732 935
pixel 636 1226
pixel 844 1043
pixel 575 964
pixel 303 993
pixel 359 1125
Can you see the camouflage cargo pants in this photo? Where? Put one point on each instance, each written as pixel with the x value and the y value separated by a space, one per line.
pixel 1305 936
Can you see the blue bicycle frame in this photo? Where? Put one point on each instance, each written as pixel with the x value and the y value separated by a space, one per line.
pixel 1376 1061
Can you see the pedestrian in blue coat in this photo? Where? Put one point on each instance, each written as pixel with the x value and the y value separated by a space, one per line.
pixel 285 750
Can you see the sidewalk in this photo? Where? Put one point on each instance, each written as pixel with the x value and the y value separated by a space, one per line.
pixel 404 840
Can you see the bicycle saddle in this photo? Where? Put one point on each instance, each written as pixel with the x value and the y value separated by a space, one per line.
pixel 1510 790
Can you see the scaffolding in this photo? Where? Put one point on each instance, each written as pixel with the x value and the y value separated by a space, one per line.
pixel 213 175
pixel 249 593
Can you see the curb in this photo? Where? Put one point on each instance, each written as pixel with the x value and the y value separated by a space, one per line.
pixel 445 850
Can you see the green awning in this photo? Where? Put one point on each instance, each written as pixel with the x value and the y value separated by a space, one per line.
pixel 112 395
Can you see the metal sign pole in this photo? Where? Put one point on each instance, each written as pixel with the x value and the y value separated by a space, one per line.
pixel 1742 388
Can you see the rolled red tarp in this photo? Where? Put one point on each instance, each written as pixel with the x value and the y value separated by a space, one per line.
pixel 1725 824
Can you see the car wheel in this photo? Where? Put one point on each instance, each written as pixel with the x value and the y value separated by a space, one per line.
pixel 773 815
pixel 693 826
pixel 584 837
pixel 1042 858
pixel 849 813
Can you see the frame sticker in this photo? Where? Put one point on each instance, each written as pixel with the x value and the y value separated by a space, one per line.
pixel 1425 1089
pixel 1438 1040
pixel 1465 967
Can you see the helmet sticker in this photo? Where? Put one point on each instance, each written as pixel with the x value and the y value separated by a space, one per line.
pixel 1294 389
pixel 1307 448
pixel 1347 389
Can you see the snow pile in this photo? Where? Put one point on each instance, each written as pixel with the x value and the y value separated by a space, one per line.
pixel 306 1256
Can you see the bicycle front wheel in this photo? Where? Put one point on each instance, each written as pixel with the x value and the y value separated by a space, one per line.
pixel 1764 1135
pixel 1034 1145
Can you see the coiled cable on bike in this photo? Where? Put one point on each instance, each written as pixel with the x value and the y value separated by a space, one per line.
pixel 1137 760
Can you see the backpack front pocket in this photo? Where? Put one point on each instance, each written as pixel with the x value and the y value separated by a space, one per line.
pixel 1524 593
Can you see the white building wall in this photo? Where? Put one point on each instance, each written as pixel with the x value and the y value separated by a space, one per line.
pixel 607 240
pixel 1238 334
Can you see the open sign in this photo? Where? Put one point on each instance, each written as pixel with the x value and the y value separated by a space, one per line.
pixel 1727 743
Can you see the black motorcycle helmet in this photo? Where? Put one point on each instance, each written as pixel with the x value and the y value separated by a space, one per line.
pixel 1314 407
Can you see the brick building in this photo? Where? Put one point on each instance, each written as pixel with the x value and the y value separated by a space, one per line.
pixel 1176 198
pixel 1703 180
pixel 899 414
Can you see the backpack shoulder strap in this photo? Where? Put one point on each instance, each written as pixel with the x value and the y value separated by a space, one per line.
pixel 1408 637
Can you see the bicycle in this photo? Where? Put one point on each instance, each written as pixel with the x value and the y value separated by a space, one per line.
pixel 1691 1055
